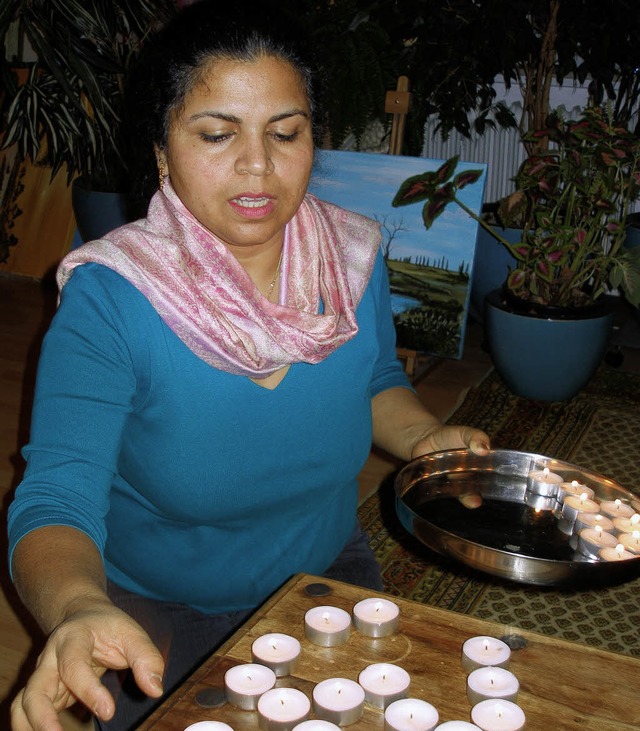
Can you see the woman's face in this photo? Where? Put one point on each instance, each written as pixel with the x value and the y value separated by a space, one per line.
pixel 239 153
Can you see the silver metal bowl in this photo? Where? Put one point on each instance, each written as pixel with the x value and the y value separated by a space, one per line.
pixel 512 534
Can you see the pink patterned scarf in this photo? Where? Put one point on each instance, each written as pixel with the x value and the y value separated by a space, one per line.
pixel 205 296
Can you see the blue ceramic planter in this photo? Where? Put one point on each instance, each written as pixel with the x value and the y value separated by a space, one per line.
pixel 491 264
pixel 541 358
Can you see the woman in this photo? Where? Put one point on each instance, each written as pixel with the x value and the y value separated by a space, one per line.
pixel 208 390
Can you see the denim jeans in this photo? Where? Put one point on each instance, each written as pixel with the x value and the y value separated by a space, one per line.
pixel 187 637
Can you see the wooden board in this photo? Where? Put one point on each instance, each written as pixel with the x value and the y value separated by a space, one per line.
pixel 563 686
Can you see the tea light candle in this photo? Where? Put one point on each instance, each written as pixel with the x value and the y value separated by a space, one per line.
pixel 630 541
pixel 616 508
pixel 410 714
pixel 327 626
pixel 376 617
pixel 543 482
pixel 384 683
pixel 627 525
pixel 244 684
pixel 280 709
pixel 498 715
pixel 339 701
pixel 491 682
pixel 615 554
pixel 208 726
pixel 574 488
pixel 316 724
pixel 591 520
pixel 591 540
pixel 574 504
pixel 482 650
pixel 277 651
pixel 458 726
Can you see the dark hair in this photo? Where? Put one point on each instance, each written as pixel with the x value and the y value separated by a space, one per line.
pixel 179 55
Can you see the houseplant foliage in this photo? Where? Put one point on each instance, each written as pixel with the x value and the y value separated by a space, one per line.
pixel 571 202
pixel 67 111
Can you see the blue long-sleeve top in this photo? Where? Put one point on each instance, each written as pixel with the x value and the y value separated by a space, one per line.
pixel 196 485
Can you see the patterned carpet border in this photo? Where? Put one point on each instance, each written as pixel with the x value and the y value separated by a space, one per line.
pixel 599 430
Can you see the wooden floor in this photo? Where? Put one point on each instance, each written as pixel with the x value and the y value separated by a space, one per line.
pixel 26 307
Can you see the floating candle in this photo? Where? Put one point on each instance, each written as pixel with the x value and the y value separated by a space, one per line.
pixel 574 488
pixel 482 650
pixel 384 683
pixel 410 714
pixel 338 700
pixel 543 482
pixel 244 684
pixel 327 626
pixel 498 715
pixel 627 525
pixel 591 520
pixel 574 504
pixel 591 540
pixel 277 651
pixel 615 554
pixel 208 726
pixel 280 709
pixel 376 617
pixel 616 508
pixel 630 541
pixel 491 682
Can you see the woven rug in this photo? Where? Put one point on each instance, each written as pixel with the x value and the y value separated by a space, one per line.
pixel 599 429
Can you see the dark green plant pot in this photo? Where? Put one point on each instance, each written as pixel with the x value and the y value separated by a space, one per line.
pixel 97 212
pixel 541 357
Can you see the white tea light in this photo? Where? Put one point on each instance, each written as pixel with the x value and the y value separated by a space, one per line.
pixel 615 554
pixel 410 714
pixel 591 540
pixel 384 683
pixel 338 700
pixel 591 520
pixel 492 682
pixel 316 724
pixel 616 508
pixel 574 488
pixel 458 726
pixel 631 541
pixel 376 617
pixel 280 709
pixel 208 726
pixel 498 715
pixel 544 482
pixel 626 525
pixel 327 626
pixel 574 504
pixel 277 651
pixel 244 684
pixel 483 650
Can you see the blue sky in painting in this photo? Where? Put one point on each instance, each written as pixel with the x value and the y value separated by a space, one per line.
pixel 367 182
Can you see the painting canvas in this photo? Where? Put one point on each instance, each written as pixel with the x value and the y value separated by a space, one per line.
pixel 429 270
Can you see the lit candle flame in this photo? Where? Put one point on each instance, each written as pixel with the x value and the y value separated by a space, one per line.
pixel 583 497
pixel 599 530
pixel 620 549
pixel 634 519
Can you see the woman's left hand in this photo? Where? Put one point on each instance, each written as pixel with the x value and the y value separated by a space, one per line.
pixel 443 437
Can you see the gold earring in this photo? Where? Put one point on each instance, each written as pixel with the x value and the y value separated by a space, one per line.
pixel 161 175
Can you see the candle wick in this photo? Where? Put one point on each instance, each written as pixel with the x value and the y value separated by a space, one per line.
pixel 411 716
pixel 282 701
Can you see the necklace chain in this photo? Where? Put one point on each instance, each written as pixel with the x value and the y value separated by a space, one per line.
pixel 275 276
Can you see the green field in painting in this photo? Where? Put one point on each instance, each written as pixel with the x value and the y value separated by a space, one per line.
pixel 434 325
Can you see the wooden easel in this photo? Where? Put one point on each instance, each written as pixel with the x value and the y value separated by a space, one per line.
pixel 397 103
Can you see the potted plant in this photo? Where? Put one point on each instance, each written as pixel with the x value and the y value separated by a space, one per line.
pixel 572 201
pixel 64 107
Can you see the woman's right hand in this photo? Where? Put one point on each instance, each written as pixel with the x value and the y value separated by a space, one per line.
pixel 77 653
